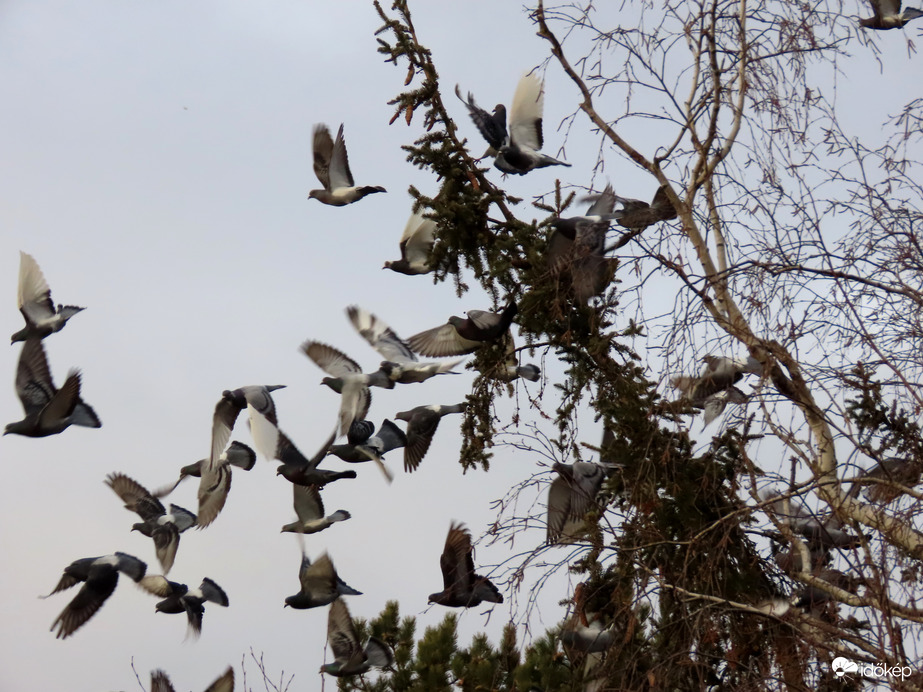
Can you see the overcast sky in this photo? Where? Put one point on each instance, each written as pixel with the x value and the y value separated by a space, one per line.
pixel 156 163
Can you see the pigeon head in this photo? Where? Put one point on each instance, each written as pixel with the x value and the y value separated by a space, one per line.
pixel 335 383
pixel 315 194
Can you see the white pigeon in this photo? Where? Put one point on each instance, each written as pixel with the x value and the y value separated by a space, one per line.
pixel 416 244
pixel 400 364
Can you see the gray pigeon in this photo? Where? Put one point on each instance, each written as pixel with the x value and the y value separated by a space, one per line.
pixel 320 584
pixel 400 365
pixel 35 304
pixel 100 574
pixel 821 533
pixel 512 369
pixel 48 410
pixel 371 447
pixel 714 387
pixel 232 402
pixel 347 380
pixel 416 245
pixel 310 511
pixel 888 15
pixel 897 471
pixel 160 682
pixel 158 524
pixel 422 422
pixel 462 588
pixel 571 495
pixel 296 468
pixel 517 152
pixel 577 247
pixel 178 598
pixel 331 165
pixel 214 486
pixel 350 658
pixel 460 336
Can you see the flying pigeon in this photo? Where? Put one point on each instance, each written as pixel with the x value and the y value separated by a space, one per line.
pixel 163 527
pixel 518 151
pixel 48 410
pixel 310 510
pixel 35 304
pixel 160 682
pixel 821 533
pixel 416 244
pixel 888 15
pixel 232 402
pixel 368 447
pixel 295 468
pixel 347 379
pixel 462 588
pixel 637 215
pixel 577 246
pixel 714 388
pixel 459 336
pixel 583 632
pixel 320 584
pixel 511 368
pixel 349 657
pixel 100 575
pixel 178 598
pixel 815 597
pixel 900 471
pixel 214 486
pixel 571 495
pixel 400 364
pixel 422 422
pixel 331 165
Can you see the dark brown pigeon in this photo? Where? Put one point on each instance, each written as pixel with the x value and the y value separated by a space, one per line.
pixel 35 304
pixel 48 410
pixel 462 588
pixel 160 682
pixel 331 165
pixel 350 657
pixel 463 335
pixel 422 423
pixel 100 574
pixel 320 584
pixel 178 598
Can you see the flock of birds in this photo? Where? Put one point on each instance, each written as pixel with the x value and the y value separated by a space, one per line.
pixel 577 257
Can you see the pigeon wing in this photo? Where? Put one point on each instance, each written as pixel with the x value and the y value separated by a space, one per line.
pixel 64 402
pixel 223 684
pixel 526 113
pixel 160 682
pixel 341 632
pixel 33 294
pixel 323 153
pixel 99 586
pixel 214 487
pixel 329 359
pixel 420 431
pixel 379 335
pixel 340 175
pixel 33 379
pixel 442 341
pixel 491 127
pixel 136 497
pixel 308 503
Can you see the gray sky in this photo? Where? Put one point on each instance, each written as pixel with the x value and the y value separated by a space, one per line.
pixel 156 163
